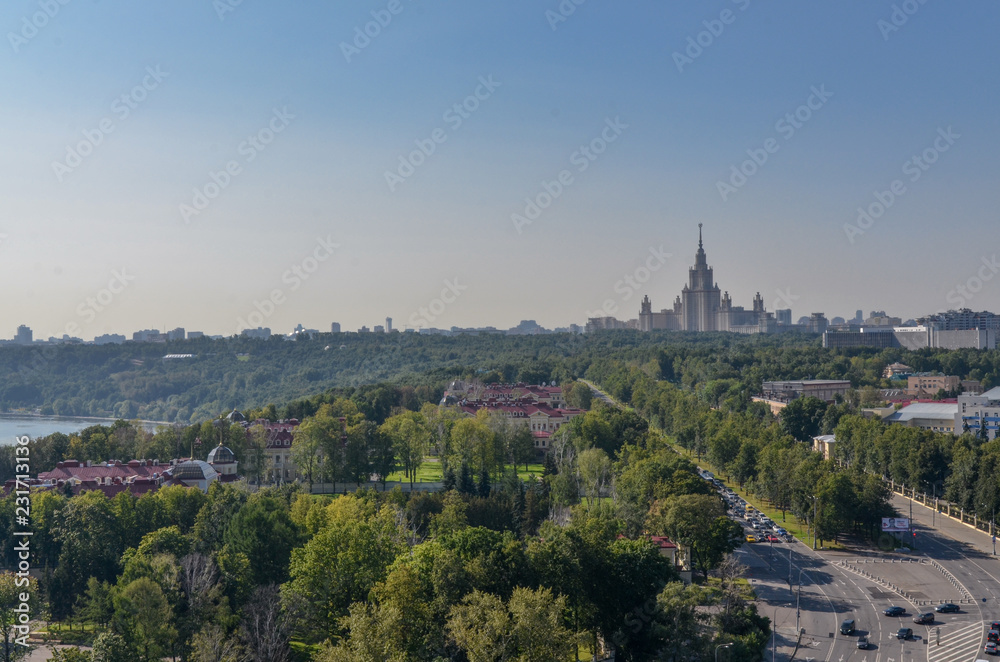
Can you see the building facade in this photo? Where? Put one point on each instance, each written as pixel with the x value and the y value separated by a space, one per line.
pixel 976 410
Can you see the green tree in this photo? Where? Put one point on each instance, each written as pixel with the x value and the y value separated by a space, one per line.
pixel 144 619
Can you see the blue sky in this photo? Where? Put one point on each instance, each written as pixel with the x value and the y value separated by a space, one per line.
pixel 102 244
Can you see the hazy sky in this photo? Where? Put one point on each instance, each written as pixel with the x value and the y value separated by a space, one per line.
pixel 120 120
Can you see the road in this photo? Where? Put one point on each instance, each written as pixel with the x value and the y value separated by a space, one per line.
pixel 952 563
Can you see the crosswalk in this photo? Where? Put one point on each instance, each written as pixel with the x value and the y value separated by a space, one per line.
pixel 961 644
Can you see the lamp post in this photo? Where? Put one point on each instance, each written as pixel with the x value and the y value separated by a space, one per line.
pixel 717 650
pixel 814 522
pixel 774 631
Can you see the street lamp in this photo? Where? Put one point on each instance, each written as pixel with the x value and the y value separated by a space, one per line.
pixel 717 650
pixel 774 631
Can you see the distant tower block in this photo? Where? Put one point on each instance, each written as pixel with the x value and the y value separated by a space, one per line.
pixel 388 325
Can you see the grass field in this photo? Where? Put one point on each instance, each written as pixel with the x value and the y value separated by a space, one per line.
pixel 430 472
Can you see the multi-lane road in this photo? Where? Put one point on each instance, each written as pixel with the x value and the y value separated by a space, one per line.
pixel 952 563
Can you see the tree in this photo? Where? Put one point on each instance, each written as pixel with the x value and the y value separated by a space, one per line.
pixel 802 417
pixel 409 435
pixel 528 628
pixel 699 523
pixel 12 589
pixel 595 471
pixel 264 533
pixel 144 619
pixel 265 629
pixel 343 562
pixel 257 439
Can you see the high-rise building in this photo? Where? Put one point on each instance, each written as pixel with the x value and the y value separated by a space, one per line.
pixel 783 316
pixel 335 327
pixel 701 306
pixel 23 336
pixel 388 325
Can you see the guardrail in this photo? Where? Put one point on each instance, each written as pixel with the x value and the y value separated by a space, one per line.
pixel 967 599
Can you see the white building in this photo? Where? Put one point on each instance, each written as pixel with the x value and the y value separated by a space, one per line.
pixel 973 410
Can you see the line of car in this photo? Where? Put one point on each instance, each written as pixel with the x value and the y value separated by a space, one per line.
pixel 762 529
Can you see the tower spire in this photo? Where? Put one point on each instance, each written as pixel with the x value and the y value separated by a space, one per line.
pixel 699 235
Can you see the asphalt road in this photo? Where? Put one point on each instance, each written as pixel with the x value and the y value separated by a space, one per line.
pixel 831 592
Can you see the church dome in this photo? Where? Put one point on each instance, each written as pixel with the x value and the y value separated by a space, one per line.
pixel 236 417
pixel 221 455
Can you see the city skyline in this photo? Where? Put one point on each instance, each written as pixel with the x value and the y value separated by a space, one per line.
pixel 521 160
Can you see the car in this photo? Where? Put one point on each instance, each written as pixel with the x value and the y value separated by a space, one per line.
pixel 751 537
pixel 904 633
pixel 894 611
pixel 947 608
pixel 847 626
pixel 863 643
pixel 924 618
pixel 991 648
pixel 773 539
pixel 995 625
pixel 993 635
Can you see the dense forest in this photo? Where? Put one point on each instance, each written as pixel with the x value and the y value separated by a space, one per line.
pixel 135 381
pixel 492 565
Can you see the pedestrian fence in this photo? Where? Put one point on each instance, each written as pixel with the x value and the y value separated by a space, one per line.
pixel 872 576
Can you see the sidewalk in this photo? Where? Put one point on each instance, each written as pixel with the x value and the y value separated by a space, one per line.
pixel 775 601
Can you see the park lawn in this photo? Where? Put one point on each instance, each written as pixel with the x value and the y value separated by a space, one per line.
pixel 430 472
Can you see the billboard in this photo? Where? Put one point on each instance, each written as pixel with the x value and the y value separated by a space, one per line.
pixel 895 524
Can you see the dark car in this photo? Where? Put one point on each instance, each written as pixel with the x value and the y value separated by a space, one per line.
pixel 847 626
pixel 993 635
pixel 995 625
pixel 924 618
pixel 863 643
pixel 904 633
pixel 991 648
pixel 947 608
pixel 894 611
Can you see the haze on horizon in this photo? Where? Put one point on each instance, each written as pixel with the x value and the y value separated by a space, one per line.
pixel 192 157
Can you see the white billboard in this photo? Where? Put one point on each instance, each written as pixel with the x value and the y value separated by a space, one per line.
pixel 895 524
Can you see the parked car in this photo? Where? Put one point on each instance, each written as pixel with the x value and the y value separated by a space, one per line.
pixel 894 611
pixel 924 618
pixel 863 643
pixel 904 633
pixel 947 608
